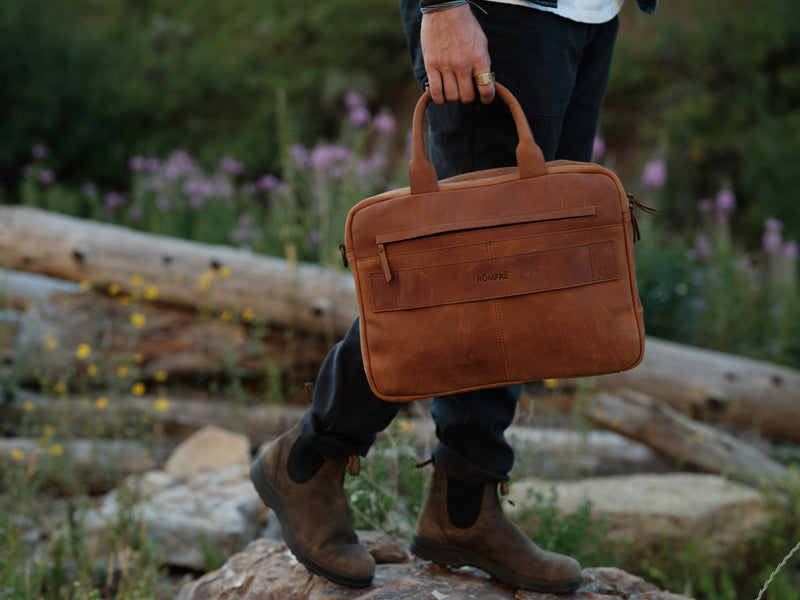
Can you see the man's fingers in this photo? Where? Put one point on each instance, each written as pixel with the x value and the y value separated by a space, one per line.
pixel 484 82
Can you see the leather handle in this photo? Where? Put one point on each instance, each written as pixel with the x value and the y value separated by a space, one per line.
pixel 421 172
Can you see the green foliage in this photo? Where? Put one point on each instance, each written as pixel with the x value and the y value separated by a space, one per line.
pixel 579 534
pixel 390 490
pixel 718 90
pixel 703 288
pixel 99 82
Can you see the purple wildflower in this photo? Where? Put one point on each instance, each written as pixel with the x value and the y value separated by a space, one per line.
pixel 772 239
pixel 385 124
pixel 112 200
pixel 706 206
pixel 39 151
pixel 598 147
pixel 654 174
pixel 269 182
pixel 360 116
pixel 791 250
pixel 89 189
pixel 230 165
pixel 703 246
pixel 354 100
pixel 325 156
pixel 300 155
pixel 47 177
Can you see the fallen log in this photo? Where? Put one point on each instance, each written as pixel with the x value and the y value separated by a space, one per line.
pixel 304 297
pixel 682 439
pixel 716 387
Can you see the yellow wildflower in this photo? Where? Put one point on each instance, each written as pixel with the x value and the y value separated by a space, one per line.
pixel 101 403
pixel 204 281
pixel 406 425
pixel 83 350
pixel 161 404
pixel 225 271
pixel 151 292
pixel 122 371
pixel 248 314
pixel 49 430
pixel 138 389
pixel 17 454
pixel 60 387
pixel 225 317
pixel 550 384
pixel 86 285
pixel 160 375
pixel 49 341
pixel 28 406
pixel 138 358
pixel 91 369
pixel 136 280
pixel 138 320
pixel 57 449
pixel 114 289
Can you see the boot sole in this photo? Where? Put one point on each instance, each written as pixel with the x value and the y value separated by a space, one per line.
pixel 271 499
pixel 457 557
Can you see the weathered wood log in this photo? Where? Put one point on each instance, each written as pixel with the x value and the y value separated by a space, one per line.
pixel 149 338
pixel 541 452
pixel 681 438
pixel 304 297
pixel 714 386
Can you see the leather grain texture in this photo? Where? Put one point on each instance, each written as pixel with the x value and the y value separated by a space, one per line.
pixel 494 277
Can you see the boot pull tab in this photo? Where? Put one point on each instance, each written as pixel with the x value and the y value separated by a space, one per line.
pixel 424 463
pixel 353 465
pixel 308 388
pixel 503 489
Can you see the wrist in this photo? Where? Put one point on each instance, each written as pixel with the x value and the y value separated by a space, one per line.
pixel 429 6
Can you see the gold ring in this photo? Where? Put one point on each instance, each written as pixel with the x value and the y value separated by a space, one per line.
pixel 484 78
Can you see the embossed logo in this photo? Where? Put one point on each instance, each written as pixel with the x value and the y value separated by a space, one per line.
pixel 488 277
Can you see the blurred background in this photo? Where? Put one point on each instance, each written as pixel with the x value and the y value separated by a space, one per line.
pixel 257 124
pixel 127 111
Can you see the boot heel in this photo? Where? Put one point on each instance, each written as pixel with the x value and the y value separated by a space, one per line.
pixel 438 553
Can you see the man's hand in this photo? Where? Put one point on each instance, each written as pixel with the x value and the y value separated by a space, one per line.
pixel 455 49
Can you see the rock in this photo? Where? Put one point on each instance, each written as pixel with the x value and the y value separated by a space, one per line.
pixel 198 511
pixel 209 449
pixel 266 569
pixel 649 510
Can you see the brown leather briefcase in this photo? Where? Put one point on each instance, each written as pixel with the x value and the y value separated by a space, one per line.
pixel 495 277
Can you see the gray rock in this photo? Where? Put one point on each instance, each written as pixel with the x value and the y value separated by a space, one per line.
pixel 194 524
pixel 267 570
pixel 648 510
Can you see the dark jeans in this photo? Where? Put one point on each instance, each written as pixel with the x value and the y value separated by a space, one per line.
pixel 558 70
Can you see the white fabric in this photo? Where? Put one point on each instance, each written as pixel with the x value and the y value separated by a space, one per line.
pixel 583 11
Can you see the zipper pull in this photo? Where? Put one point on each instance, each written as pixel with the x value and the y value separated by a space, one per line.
pixel 387 272
pixel 343 250
pixel 634 203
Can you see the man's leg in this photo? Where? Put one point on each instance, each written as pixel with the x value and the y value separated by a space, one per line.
pixel 538 56
pixel 301 475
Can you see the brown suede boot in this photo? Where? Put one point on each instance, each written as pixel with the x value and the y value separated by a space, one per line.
pixel 487 539
pixel 308 498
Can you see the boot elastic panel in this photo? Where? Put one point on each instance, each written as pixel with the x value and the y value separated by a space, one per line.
pixel 463 503
pixel 304 462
